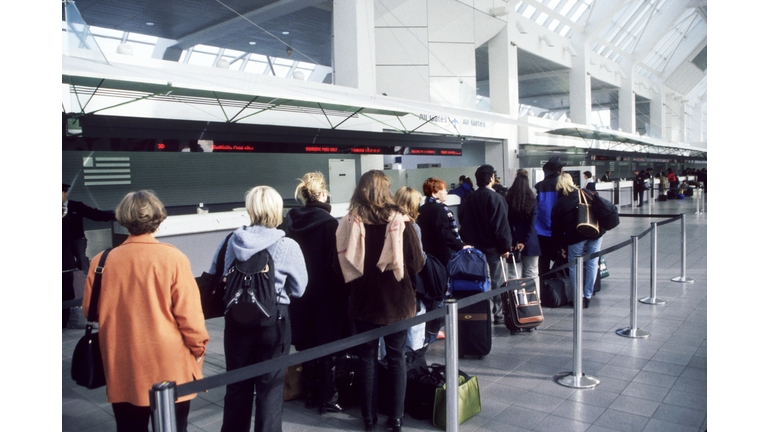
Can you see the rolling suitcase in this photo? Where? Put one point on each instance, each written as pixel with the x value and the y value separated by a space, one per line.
pixel 475 322
pixel 522 309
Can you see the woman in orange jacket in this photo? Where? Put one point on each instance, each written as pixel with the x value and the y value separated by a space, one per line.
pixel 151 325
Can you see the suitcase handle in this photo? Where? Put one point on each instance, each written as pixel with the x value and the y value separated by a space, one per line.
pixel 504 267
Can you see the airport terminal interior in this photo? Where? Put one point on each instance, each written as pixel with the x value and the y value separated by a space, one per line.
pixel 200 100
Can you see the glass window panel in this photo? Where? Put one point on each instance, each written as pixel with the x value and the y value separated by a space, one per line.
pixel 101 31
pixel 553 25
pixel 579 12
pixel 254 67
pixel 282 61
pixel 542 17
pixel 201 58
pixel 567 7
pixel 107 45
pixel 528 11
pixel 206 49
pixel 142 50
pixel 281 71
pixel 138 37
pixel 564 31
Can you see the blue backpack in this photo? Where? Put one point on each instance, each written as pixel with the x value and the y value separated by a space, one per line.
pixel 468 272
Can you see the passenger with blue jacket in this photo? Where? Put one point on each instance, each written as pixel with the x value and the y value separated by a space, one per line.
pixel 546 196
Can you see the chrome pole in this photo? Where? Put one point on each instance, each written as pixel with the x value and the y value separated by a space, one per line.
pixel 162 403
pixel 632 331
pixel 452 366
pixel 654 258
pixel 683 252
pixel 577 379
pixel 698 201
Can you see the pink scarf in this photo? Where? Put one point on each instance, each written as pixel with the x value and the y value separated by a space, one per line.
pixel 350 244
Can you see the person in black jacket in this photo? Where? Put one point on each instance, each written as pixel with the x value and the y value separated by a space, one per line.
pixel 78 211
pixel 567 240
pixel 523 209
pixel 319 316
pixel 638 187
pixel 546 196
pixel 73 243
pixel 439 231
pixel 485 225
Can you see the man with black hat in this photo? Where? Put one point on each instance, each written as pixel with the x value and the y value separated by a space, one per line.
pixel 546 196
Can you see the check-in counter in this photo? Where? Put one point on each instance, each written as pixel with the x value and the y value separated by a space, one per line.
pixel 606 190
pixel 199 235
pixel 624 192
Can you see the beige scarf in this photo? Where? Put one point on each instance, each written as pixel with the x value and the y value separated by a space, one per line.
pixel 350 244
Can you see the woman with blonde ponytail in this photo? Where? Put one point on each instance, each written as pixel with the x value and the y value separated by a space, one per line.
pixel 319 316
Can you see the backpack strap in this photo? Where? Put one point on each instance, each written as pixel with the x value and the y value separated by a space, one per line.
pixel 222 255
pixel 96 287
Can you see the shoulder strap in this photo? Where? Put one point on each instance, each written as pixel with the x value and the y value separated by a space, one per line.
pixel 96 288
pixel 222 253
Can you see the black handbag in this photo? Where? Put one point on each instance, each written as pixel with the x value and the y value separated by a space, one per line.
pixel 87 366
pixel 587 224
pixel 212 288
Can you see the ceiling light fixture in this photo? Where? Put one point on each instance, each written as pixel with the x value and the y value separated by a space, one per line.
pixel 547 40
pixel 520 27
pixel 286 33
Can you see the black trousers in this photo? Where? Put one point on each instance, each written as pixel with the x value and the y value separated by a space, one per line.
pixel 548 254
pixel 67 293
pixel 395 358
pixel 132 418
pixel 244 346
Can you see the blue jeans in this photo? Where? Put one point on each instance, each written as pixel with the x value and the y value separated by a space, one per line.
pixel 585 247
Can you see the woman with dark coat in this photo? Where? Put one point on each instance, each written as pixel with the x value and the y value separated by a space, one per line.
pixel 522 213
pixel 318 316
pixel 439 232
pixel 378 249
pixel 567 240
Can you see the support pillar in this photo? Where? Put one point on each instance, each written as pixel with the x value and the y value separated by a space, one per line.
pixel 354 60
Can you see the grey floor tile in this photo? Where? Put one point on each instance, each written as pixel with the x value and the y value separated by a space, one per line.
pixel 521 417
pixel 578 411
pixel 679 415
pixel 622 421
pixel 696 401
pixel 597 397
pixel 538 402
pixel 655 379
pixel 633 405
pixel 559 424
pixel 663 367
pixel 655 425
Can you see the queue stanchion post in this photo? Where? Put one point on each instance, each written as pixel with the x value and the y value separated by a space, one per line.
pixel 632 331
pixel 577 378
pixel 683 253
pixel 162 404
pixel 452 366
pixel 654 259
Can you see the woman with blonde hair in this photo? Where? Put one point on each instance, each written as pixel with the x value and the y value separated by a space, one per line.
pixel 245 345
pixel 566 238
pixel 378 249
pixel 320 315
pixel 151 324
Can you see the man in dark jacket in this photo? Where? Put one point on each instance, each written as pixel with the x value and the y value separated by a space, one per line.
pixel 484 225
pixel 638 187
pixel 546 196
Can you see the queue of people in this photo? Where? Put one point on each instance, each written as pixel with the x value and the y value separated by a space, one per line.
pixel 333 278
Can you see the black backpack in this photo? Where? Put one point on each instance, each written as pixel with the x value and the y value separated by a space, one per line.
pixel 431 282
pixel 250 294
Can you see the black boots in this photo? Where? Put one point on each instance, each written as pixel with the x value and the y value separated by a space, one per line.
pixel 395 424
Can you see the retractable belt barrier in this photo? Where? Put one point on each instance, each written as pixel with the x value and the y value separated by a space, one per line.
pixel 163 395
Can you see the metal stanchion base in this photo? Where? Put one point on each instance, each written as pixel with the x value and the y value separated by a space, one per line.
pixel 633 333
pixel 653 300
pixel 568 379
pixel 681 279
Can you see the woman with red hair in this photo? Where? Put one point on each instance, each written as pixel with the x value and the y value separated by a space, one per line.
pixel 439 231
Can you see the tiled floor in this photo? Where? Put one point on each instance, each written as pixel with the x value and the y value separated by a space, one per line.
pixel 653 384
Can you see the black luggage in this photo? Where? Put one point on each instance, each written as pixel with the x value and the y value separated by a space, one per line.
pixel 662 197
pixel 556 288
pixel 522 310
pixel 475 322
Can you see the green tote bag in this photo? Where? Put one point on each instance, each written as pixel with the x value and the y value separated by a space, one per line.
pixel 469 402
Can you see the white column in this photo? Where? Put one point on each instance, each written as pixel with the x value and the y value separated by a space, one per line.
pixel 581 87
pixel 658 118
pixel 505 95
pixel 354 62
pixel 627 107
